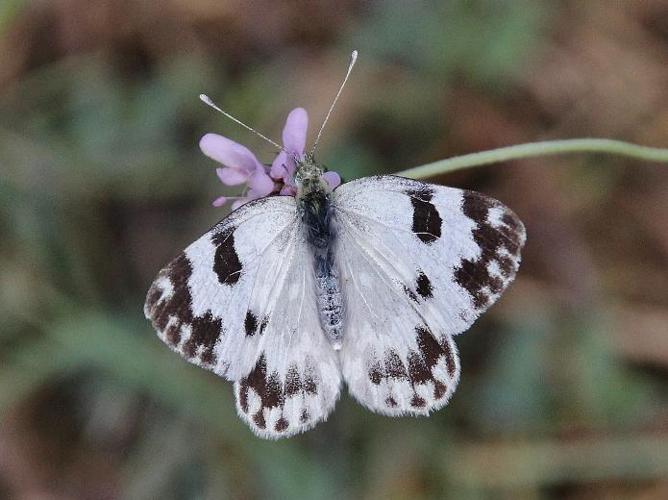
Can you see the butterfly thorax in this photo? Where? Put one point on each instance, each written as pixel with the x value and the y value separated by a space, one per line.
pixel 313 202
pixel 314 205
pixel 308 176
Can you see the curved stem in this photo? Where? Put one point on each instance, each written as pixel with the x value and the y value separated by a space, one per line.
pixel 587 145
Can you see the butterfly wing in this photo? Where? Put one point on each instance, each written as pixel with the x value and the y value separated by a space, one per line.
pixel 418 263
pixel 239 302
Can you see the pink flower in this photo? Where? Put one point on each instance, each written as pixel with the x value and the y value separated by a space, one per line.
pixel 240 166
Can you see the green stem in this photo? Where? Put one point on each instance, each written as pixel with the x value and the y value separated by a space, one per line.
pixel 588 145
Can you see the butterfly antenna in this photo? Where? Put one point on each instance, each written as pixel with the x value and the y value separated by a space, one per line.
pixel 207 100
pixel 353 59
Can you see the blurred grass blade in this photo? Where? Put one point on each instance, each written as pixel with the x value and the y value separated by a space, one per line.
pixel 544 148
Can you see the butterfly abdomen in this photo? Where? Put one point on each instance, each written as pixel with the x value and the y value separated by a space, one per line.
pixel 330 299
pixel 316 212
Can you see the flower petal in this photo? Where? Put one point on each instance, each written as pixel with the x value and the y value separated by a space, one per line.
pixel 278 170
pixel 220 201
pixel 331 178
pixel 283 167
pixel 288 190
pixel 232 176
pixel 260 183
pixel 294 132
pixel 291 166
pixel 227 152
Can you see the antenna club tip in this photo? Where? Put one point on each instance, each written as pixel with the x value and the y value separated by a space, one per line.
pixel 353 56
pixel 205 98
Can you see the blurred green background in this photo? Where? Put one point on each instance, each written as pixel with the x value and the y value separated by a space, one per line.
pixel 563 392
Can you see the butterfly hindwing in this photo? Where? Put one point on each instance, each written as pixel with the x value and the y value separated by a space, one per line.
pixel 237 301
pixel 295 382
pixel 419 263
pixel 392 359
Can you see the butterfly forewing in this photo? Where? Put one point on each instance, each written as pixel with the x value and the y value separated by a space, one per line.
pixel 419 263
pixel 238 301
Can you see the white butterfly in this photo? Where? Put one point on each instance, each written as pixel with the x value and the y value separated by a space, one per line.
pixel 367 283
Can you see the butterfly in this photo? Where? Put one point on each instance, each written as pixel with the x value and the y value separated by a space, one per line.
pixel 367 284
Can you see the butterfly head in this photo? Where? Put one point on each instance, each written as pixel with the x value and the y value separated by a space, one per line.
pixel 308 176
